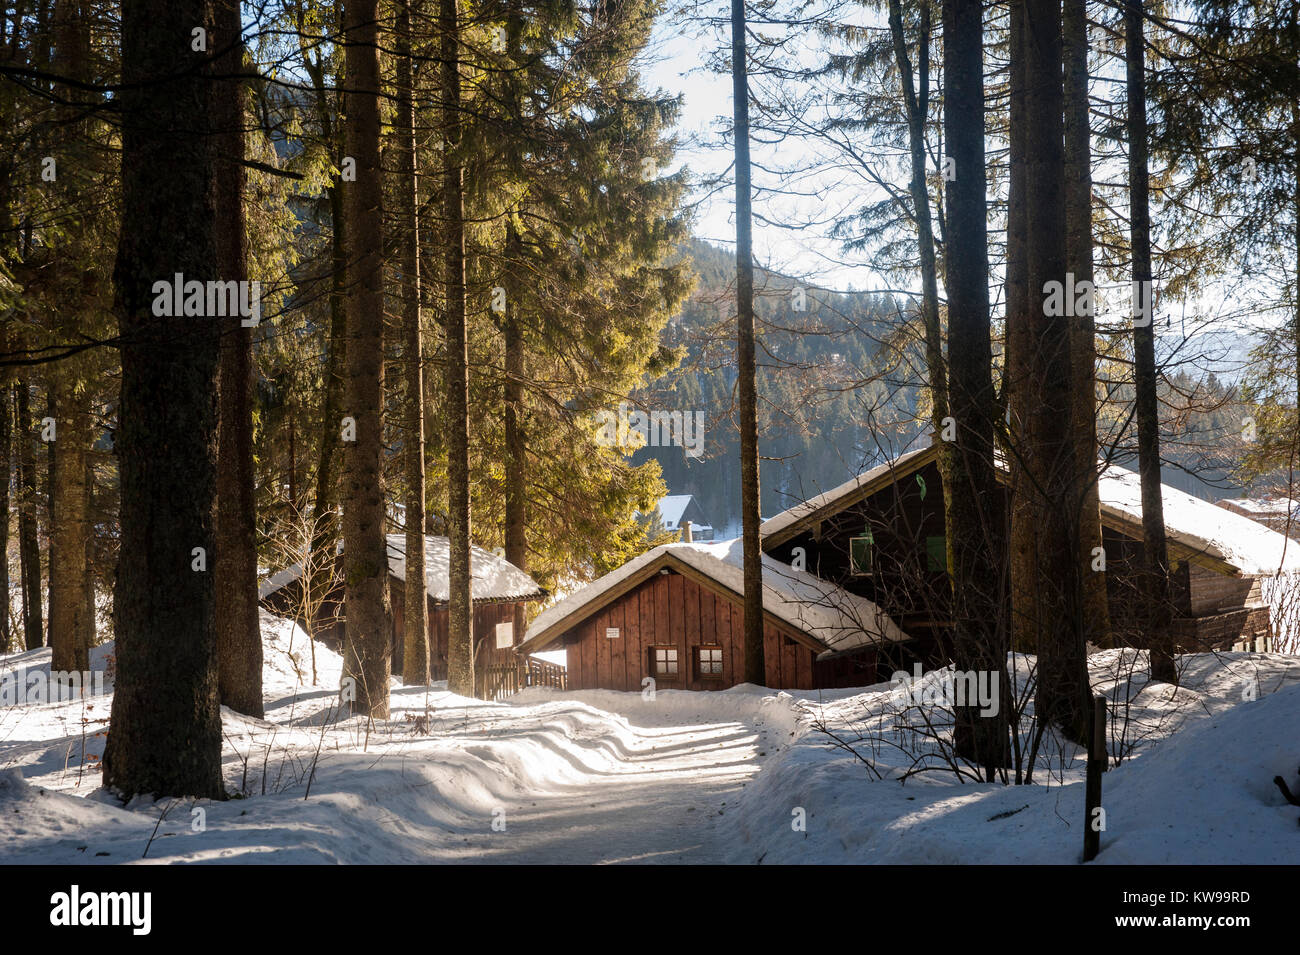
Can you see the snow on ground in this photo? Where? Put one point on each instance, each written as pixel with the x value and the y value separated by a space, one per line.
pixel 602 776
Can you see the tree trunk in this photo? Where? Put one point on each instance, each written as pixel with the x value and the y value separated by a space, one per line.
pixel 239 638
pixel 516 461
pixel 70 637
pixel 327 477
pixel 415 637
pixel 6 477
pixel 1016 390
pixel 1156 611
pixel 1063 696
pixel 460 635
pixel 973 526
pixel 755 666
pixel 1083 348
pixel 165 729
pixel 365 553
pixel 28 539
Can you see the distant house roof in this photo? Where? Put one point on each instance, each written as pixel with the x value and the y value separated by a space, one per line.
pixel 491 577
pixel 674 508
pixel 1196 526
pixel 833 618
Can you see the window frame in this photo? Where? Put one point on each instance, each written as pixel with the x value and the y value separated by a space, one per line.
pixel 652 651
pixel 697 662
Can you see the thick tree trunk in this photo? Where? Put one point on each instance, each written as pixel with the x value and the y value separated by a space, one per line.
pixel 1063 696
pixel 239 638
pixel 28 538
pixel 6 479
pixel 1083 348
pixel 165 730
pixel 1015 366
pixel 1157 607
pixel 747 385
pixel 70 630
pixel 973 525
pixel 368 648
pixel 70 636
pixel 415 637
pixel 460 652
pixel 516 461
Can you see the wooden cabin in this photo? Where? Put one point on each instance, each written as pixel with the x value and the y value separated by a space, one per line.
pixel 881 535
pixel 675 614
pixel 498 589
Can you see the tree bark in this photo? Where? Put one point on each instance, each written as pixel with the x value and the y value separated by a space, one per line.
pixel 165 729
pixel 6 478
pixel 1063 696
pixel 516 461
pixel 69 628
pixel 28 538
pixel 460 626
pixel 1083 348
pixel 70 636
pixel 365 553
pixel 1015 365
pixel 1157 609
pixel 239 638
pixel 415 637
pixel 755 665
pixel 973 526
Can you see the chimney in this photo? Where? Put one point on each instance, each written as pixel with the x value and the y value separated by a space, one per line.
pixel 686 531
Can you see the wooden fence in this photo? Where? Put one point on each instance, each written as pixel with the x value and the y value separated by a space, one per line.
pixel 503 680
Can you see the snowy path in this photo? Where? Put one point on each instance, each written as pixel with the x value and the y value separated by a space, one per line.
pixel 661 802
pixel 585 777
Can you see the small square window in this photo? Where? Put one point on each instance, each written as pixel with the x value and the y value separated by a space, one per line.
pixel 663 662
pixel 708 663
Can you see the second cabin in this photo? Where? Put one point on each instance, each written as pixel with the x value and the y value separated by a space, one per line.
pixel 881 535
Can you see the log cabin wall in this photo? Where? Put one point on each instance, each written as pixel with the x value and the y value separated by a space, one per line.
pixel 1211 609
pixel 487 614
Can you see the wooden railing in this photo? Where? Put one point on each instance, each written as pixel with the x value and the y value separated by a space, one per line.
pixel 541 673
pixel 507 679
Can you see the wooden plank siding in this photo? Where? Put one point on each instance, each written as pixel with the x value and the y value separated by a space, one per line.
pixel 673 610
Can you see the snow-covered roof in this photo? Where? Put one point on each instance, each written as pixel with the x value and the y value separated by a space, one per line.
pixel 1199 525
pixel 672 507
pixel 1195 524
pixel 833 497
pixel 491 577
pixel 829 614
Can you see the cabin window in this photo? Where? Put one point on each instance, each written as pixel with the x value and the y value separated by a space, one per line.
pixel 505 636
pixel 936 554
pixel 708 663
pixel 860 554
pixel 663 662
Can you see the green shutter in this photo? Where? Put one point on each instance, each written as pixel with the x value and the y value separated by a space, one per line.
pixel 936 554
pixel 860 553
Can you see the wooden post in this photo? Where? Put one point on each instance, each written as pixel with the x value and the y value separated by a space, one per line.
pixel 1096 766
pixel 687 536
